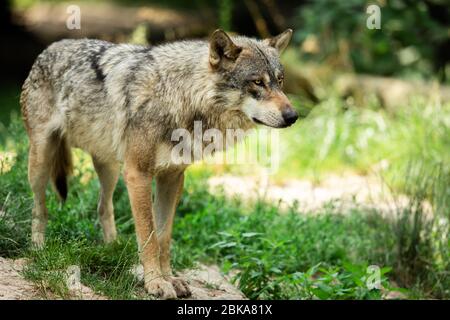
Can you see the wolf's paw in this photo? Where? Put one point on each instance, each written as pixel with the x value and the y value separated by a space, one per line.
pixel 161 288
pixel 181 287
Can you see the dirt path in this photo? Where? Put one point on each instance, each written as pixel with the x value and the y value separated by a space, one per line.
pixel 206 283
pixel 345 191
pixel 12 284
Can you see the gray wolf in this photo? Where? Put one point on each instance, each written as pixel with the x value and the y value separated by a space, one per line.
pixel 120 103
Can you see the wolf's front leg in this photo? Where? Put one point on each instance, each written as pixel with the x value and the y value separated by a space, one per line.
pixel 139 184
pixel 169 186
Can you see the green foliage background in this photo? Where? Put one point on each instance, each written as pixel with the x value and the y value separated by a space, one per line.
pixel 406 45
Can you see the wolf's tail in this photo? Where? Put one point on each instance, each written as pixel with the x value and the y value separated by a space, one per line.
pixel 61 167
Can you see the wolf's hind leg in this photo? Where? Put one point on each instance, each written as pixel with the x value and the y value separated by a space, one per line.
pixel 39 167
pixel 108 174
pixel 169 187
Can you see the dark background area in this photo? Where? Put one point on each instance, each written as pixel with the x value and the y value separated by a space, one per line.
pixel 422 27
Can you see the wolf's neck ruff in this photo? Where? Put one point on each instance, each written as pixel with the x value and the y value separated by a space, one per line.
pixel 168 87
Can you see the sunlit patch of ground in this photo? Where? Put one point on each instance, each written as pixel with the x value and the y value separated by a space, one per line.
pixel 343 191
pixel 13 286
pixel 83 166
pixel 7 159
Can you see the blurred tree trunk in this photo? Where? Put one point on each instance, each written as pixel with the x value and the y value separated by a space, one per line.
pixel 117 23
pixel 261 18
pixel 391 92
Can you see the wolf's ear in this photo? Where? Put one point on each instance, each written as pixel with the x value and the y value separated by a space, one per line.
pixel 222 49
pixel 281 41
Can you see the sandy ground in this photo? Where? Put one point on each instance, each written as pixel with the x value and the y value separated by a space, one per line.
pixel 206 283
pixel 12 285
pixel 343 191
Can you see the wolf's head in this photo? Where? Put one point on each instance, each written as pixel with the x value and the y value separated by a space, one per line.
pixel 252 69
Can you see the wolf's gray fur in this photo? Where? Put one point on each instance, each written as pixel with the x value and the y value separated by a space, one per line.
pixel 120 101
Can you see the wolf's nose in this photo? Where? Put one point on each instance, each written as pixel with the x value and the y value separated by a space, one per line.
pixel 289 116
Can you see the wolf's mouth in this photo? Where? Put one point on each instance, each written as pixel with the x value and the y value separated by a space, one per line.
pixel 257 121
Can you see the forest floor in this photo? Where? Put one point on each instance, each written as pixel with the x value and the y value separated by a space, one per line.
pixel 206 283
pixel 14 286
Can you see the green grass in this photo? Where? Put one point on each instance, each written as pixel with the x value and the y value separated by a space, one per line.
pixel 272 254
pixel 339 136
pixel 9 105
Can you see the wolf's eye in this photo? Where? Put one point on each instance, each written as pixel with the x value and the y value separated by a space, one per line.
pixel 258 82
pixel 280 80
